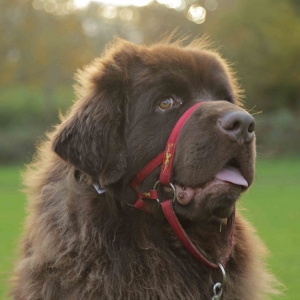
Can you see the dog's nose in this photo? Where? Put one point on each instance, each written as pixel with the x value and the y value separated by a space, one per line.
pixel 238 126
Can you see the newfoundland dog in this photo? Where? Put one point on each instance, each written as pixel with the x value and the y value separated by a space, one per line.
pixel 133 195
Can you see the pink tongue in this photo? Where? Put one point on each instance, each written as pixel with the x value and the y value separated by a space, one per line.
pixel 233 175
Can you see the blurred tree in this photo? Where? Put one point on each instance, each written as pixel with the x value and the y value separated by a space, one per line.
pixel 43 42
pixel 263 37
pixel 40 49
pixel 45 49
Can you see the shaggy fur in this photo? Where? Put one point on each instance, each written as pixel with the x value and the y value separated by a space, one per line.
pixel 81 245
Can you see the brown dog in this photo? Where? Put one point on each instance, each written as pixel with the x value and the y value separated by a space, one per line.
pixel 80 244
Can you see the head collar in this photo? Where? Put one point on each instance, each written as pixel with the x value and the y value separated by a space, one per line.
pixel 166 159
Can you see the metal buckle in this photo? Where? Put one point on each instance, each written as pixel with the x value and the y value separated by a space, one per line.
pixel 157 183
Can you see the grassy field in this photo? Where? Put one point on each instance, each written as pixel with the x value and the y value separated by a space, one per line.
pixel 272 205
pixel 12 214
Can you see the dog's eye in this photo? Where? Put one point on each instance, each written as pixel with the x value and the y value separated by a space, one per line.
pixel 166 103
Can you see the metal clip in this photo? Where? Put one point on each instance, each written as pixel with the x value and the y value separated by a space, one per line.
pixel 218 287
pixel 98 189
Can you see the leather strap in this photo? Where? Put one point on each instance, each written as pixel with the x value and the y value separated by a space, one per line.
pixel 170 215
pixel 140 177
pixel 166 170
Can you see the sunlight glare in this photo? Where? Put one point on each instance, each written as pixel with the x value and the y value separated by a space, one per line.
pixel 50 7
pixel 176 4
pixel 211 4
pixel 38 5
pixel 197 14
pixel 162 1
pixel 83 3
pixel 126 14
pixel 109 12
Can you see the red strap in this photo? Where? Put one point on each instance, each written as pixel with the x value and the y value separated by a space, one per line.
pixel 150 167
pixel 140 204
pixel 140 177
pixel 165 174
pixel 152 194
pixel 187 243
pixel 173 221
pixel 231 225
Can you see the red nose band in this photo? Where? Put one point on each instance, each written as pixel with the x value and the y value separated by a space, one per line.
pixel 166 170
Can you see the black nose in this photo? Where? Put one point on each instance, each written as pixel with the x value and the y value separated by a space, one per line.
pixel 238 126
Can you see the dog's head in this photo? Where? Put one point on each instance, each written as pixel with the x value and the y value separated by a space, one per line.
pixel 130 100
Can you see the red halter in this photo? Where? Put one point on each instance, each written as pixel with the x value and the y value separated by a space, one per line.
pixel 166 159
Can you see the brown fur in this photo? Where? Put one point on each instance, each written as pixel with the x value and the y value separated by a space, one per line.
pixel 81 245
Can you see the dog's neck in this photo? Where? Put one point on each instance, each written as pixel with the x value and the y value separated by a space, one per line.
pixel 116 200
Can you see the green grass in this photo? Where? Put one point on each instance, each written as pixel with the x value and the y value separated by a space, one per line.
pixel 272 205
pixel 12 214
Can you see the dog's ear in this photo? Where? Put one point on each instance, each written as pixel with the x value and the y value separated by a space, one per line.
pixel 92 136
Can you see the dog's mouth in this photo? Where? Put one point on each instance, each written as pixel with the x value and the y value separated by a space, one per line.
pixel 228 174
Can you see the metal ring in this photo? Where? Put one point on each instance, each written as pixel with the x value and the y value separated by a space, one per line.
pixel 157 183
pixel 217 294
pixel 223 273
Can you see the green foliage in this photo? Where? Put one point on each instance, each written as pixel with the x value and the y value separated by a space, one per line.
pixel 278 134
pixel 26 105
pixel 272 205
pixel 24 118
pixel 263 38
pixel 38 48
